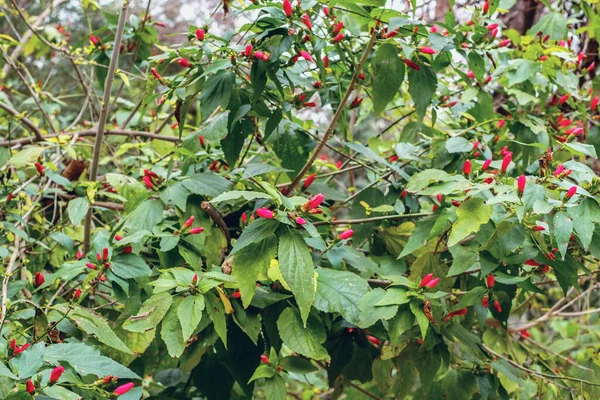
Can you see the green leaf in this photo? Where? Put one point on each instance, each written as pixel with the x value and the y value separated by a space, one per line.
pixel 477 64
pixel 471 215
pixel 340 291
pixel 129 266
pixel 190 314
pixel 418 237
pixel 458 144
pixel 145 217
pixel 464 256
pixel 263 371
pixel 421 86
pixel 388 73
pixel 216 312
pixel 240 194
pixel 175 194
pixel 247 320
pixel 291 144
pixel 86 360
pixel 260 229
pixel 206 184
pixel 563 227
pixel 171 331
pixel 216 92
pixel 93 324
pixel 253 262
pixel 581 148
pixel 28 362
pixel 77 209
pixel 149 316
pixel 297 269
pixel 297 365
pixel 416 307
pixel 305 339
pixel 393 296
pixel 27 156
pixel 553 24
pixel 370 313
pixel 275 388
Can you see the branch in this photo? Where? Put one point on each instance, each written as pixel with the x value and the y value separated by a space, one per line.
pixel 25 38
pixel 372 219
pixel 217 219
pixel 15 67
pixel 7 275
pixel 29 123
pixel 336 116
pixel 90 132
pixel 103 116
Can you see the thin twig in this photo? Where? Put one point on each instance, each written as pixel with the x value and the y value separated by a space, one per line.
pixel 372 219
pixel 27 122
pixel 336 116
pixel 104 115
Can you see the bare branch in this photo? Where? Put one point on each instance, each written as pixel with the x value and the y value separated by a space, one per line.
pixel 104 114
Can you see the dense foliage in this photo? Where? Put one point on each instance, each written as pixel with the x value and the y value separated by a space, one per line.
pixel 337 199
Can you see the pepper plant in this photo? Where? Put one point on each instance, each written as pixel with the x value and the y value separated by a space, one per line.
pixel 334 200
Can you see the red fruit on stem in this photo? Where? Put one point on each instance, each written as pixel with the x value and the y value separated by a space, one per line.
pixel 183 62
pixel 264 359
pixel 490 280
pixel 236 294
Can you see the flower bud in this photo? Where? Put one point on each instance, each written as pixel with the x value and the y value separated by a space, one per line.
pixel 490 280
pixel 195 231
pixel 347 234
pixel 121 390
pixel 431 284
pixel 264 359
pixel 287 8
pixel 427 50
pixel 571 192
pixel 56 373
pixel 29 387
pixel 521 182
pixel 506 162
pixel 486 164
pixel 189 222
pixel 265 213
pixel 200 34
pixel 39 279
pixel 426 279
